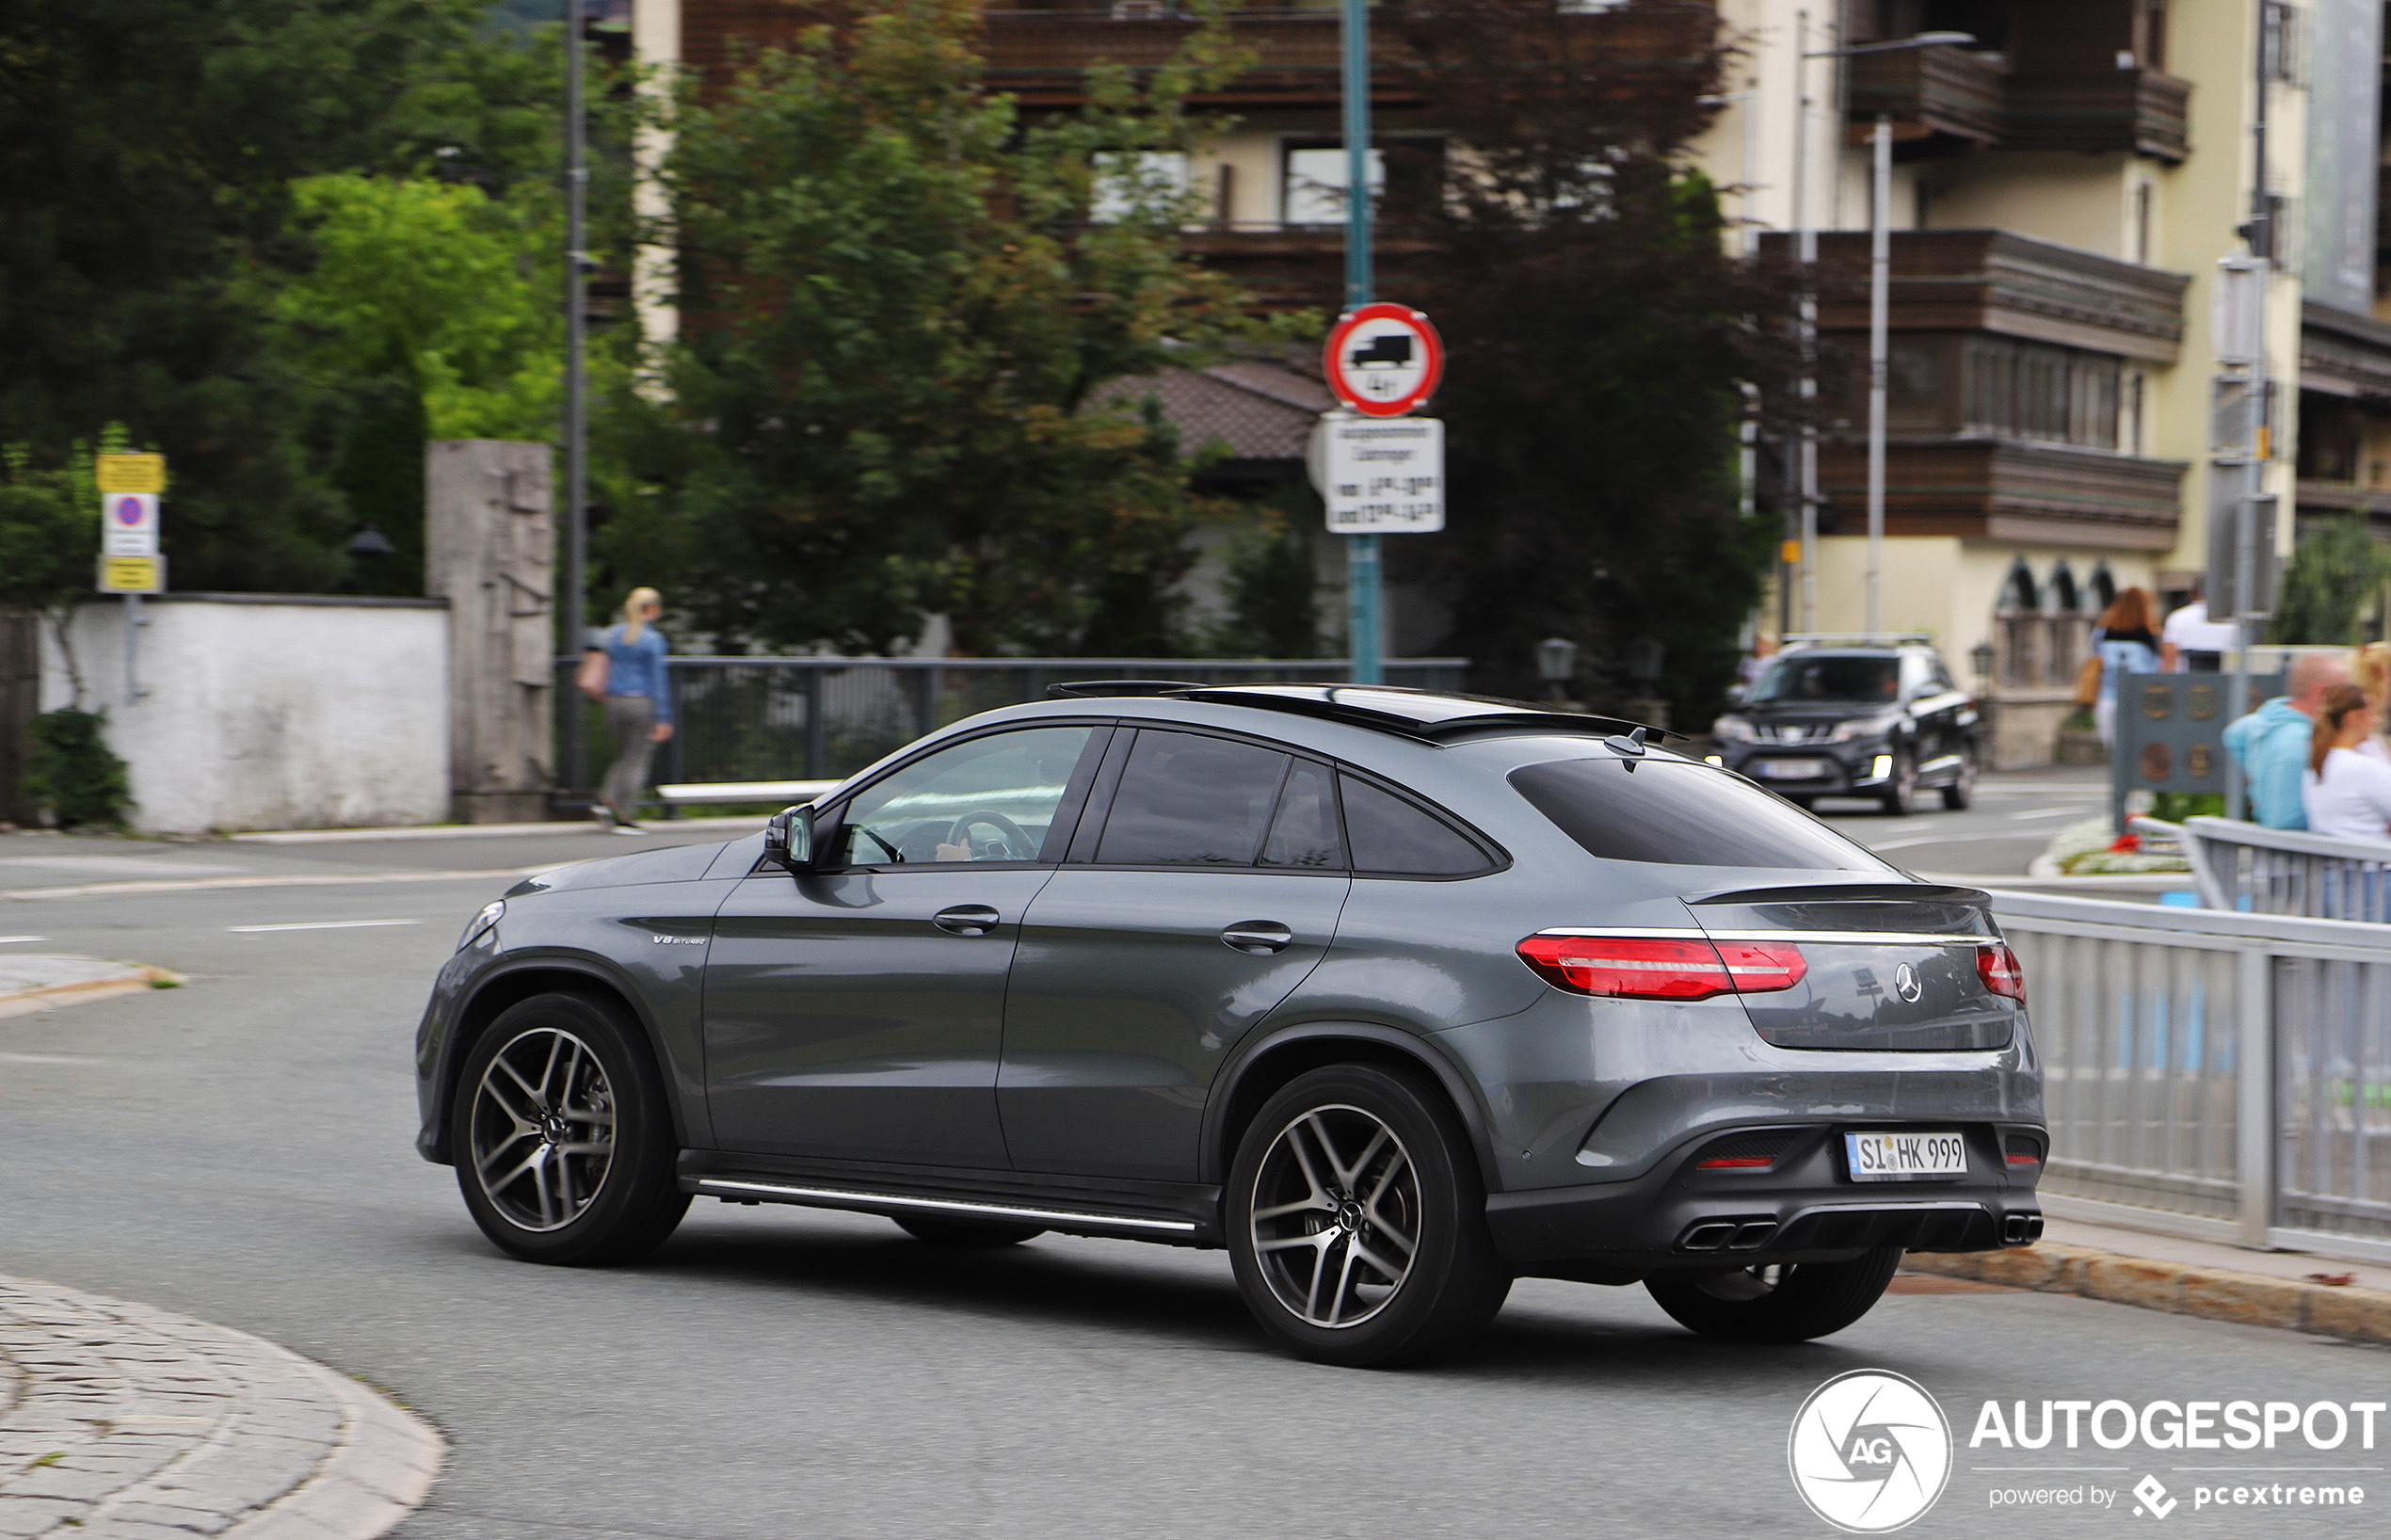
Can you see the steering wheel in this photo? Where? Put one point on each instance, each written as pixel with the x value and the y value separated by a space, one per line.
pixel 1017 845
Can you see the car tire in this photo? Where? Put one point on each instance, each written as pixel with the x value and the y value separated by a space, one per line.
pixel 1342 1166
pixel 1791 1303
pixel 965 1234
pixel 1901 791
pixel 1961 790
pixel 563 1145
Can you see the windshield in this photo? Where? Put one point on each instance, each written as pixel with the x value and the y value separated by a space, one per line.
pixel 1832 681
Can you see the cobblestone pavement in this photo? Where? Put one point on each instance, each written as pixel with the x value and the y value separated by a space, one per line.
pixel 122 1422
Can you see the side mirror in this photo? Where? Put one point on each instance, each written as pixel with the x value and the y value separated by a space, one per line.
pixel 788 840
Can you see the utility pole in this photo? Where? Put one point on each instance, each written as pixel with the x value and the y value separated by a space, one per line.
pixel 1362 623
pixel 1880 271
pixel 576 767
pixel 1805 280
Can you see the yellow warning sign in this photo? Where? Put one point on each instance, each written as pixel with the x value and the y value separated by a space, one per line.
pixel 132 575
pixel 1791 553
pixel 131 472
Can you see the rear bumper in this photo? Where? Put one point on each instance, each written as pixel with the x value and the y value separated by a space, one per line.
pixel 1804 1207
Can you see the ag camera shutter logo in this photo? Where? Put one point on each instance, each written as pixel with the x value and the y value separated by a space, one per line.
pixel 1869 1452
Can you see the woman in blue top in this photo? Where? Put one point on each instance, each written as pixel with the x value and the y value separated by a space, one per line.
pixel 627 671
pixel 2126 646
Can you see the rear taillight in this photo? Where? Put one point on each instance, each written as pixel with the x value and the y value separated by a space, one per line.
pixel 1998 967
pixel 1660 968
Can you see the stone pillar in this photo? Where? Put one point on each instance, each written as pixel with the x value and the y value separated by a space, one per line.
pixel 490 550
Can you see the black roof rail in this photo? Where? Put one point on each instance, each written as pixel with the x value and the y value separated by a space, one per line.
pixel 1097 689
pixel 1430 715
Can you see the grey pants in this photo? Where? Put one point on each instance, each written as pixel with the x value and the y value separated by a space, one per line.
pixel 632 718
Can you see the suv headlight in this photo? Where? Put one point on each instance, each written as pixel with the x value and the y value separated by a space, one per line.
pixel 1862 727
pixel 1733 730
pixel 480 922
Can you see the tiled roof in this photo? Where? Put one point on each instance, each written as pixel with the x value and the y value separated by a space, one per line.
pixel 1259 410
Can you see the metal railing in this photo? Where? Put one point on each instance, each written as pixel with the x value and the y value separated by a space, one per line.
pixel 2216 1074
pixel 745 719
pixel 2244 867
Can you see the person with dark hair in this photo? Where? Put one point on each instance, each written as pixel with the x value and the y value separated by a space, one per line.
pixel 2347 793
pixel 2124 645
pixel 2192 643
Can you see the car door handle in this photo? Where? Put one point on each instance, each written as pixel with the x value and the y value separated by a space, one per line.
pixel 966 920
pixel 1258 937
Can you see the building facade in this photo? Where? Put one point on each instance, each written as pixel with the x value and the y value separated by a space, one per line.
pixel 2065 185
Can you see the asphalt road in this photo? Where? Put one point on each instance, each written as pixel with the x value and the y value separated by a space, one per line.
pixel 239 1149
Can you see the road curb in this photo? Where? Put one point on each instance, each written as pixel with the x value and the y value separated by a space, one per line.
pixel 2212 1293
pixel 118 1422
pixel 120 979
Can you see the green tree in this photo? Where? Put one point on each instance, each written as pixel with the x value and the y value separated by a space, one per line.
pixel 437 303
pixel 49 541
pixel 899 325
pixel 148 153
pixel 1599 337
pixel 2335 577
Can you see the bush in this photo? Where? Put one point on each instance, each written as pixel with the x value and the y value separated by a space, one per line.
pixel 71 773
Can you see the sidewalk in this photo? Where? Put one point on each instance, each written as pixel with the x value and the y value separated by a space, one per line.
pixel 122 1422
pixel 2282 1289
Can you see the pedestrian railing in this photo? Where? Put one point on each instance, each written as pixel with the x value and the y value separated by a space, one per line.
pixel 2274 871
pixel 814 718
pixel 2212 1073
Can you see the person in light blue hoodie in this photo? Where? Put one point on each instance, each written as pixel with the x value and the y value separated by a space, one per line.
pixel 2270 745
pixel 626 669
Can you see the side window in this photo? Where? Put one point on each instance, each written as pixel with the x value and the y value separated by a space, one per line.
pixel 986 799
pixel 1304 832
pixel 1189 800
pixel 1396 838
pixel 1917 678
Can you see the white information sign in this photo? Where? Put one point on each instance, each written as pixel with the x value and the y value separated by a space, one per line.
pixel 128 523
pixel 1380 476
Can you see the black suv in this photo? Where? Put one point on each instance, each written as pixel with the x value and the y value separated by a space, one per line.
pixel 1882 721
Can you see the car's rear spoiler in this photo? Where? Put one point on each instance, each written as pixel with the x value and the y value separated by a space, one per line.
pixel 1848 892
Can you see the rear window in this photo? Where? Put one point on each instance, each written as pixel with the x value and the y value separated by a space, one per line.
pixel 1681 814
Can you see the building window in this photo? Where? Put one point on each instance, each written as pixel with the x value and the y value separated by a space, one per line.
pixel 1133 182
pixel 2037 391
pixel 2103 591
pixel 2067 630
pixel 2019 622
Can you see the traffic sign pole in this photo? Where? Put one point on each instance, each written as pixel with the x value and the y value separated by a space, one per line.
pixel 1362 621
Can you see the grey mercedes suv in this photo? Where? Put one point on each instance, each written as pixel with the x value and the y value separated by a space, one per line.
pixel 1395 996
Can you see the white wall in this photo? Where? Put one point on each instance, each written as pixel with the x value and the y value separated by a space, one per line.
pixel 270 712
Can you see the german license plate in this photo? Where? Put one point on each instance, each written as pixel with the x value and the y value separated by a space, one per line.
pixel 1788 769
pixel 1905 1157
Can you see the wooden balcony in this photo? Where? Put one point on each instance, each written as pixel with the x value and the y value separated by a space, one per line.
pixel 2006 489
pixel 1999 281
pixel 1043 55
pixel 2143 111
pixel 2345 354
pixel 1930 93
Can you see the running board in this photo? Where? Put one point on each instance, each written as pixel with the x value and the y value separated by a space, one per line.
pixel 867 1202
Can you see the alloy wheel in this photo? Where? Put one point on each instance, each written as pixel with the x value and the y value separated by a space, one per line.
pixel 543 1130
pixel 1335 1216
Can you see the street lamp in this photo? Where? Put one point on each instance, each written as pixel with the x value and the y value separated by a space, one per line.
pixel 1880 268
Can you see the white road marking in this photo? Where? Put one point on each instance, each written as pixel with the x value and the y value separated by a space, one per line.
pixel 321 924
pixel 2046 813
pixel 123 866
pixel 1947 840
pixel 9 940
pixel 210 884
